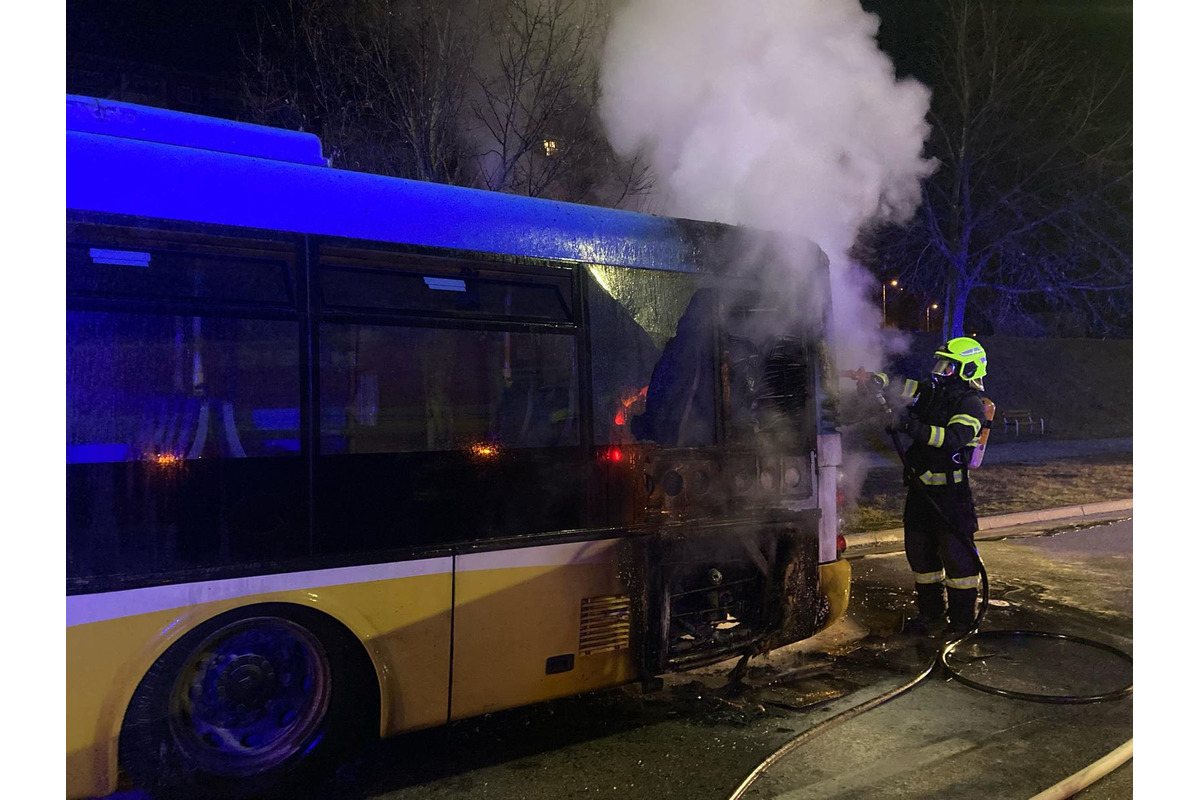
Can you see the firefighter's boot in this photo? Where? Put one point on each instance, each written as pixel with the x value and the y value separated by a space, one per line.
pixel 962 609
pixel 931 610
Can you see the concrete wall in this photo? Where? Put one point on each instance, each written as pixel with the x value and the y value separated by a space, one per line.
pixel 1083 387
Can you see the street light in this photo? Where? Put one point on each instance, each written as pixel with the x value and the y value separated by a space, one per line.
pixel 893 283
pixel 931 308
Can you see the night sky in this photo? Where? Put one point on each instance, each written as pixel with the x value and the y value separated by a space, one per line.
pixel 200 36
pixel 203 35
pixel 1102 31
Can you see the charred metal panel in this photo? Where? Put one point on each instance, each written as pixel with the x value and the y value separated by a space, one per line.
pixel 796 597
pixel 705 483
pixel 701 596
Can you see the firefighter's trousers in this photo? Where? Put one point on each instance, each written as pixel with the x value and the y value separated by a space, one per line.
pixel 941 554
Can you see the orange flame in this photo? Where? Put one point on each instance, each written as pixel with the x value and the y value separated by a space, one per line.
pixel 622 417
pixel 484 450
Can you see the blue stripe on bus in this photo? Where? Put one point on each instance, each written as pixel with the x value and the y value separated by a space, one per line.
pixel 97 453
pixel 446 284
pixel 114 175
pixel 120 258
pixel 131 121
pixel 276 419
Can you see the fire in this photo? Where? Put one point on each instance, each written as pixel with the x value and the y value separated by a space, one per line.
pixel 622 413
pixel 165 461
pixel 484 450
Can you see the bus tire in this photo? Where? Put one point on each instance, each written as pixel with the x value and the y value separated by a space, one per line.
pixel 250 703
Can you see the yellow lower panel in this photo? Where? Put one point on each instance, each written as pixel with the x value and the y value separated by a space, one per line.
pixel 404 624
pixel 509 621
pixel 835 584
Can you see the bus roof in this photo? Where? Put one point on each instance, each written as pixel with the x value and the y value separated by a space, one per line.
pixel 149 162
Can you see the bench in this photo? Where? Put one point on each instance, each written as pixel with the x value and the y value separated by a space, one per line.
pixel 1021 416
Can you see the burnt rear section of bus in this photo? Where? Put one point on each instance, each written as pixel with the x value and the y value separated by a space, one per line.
pixel 715 385
pixel 730 560
pixel 701 596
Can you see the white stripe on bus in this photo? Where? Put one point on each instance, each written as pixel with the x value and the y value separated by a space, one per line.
pixel 553 555
pixel 86 608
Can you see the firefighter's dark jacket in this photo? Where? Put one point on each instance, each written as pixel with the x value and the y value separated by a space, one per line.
pixel 945 422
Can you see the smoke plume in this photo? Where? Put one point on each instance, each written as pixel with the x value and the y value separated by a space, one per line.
pixel 782 115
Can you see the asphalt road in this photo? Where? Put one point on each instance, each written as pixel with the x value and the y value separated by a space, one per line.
pixel 945 739
pixel 699 737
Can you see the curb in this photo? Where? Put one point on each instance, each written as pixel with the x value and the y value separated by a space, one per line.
pixel 859 541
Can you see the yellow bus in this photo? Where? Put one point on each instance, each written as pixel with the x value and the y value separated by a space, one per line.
pixel 350 455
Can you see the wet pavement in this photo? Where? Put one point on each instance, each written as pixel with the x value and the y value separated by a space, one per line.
pixel 944 737
pixel 699 737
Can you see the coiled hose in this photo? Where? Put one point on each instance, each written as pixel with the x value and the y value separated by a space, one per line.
pixel 941 658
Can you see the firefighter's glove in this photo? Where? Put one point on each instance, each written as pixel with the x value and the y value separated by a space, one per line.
pixel 903 423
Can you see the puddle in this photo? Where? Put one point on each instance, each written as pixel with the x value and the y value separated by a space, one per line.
pixel 765 690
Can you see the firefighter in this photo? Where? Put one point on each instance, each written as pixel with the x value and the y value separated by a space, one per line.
pixel 944 416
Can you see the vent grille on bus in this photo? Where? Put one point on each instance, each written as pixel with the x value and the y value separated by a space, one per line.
pixel 604 624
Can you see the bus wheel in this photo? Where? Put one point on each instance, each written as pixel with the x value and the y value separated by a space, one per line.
pixel 247 704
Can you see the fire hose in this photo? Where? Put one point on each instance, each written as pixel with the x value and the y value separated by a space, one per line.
pixel 1095 771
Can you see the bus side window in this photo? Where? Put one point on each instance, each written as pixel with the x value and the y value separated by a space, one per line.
pixel 183 443
pixel 652 357
pixel 396 389
pixel 681 399
pixel 160 388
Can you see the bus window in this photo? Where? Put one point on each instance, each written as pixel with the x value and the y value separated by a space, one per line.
pixel 390 389
pixel 451 293
pixel 144 387
pixel 134 271
pixel 183 443
pixel 652 357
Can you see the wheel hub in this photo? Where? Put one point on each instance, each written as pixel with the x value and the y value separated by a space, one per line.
pixel 252 695
pixel 248 680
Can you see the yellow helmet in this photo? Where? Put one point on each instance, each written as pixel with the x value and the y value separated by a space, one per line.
pixel 963 356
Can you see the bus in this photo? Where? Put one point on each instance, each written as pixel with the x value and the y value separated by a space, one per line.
pixel 350 455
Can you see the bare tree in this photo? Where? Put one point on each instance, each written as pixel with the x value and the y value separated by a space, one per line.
pixel 534 93
pixel 417 59
pixel 383 82
pixel 499 93
pixel 535 112
pixel 269 81
pixel 1030 209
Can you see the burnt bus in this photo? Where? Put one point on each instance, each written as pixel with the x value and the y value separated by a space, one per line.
pixel 353 455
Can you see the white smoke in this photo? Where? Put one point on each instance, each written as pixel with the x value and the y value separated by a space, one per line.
pixel 777 114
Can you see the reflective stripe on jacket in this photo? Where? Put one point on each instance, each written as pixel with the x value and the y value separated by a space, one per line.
pixel 947 422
